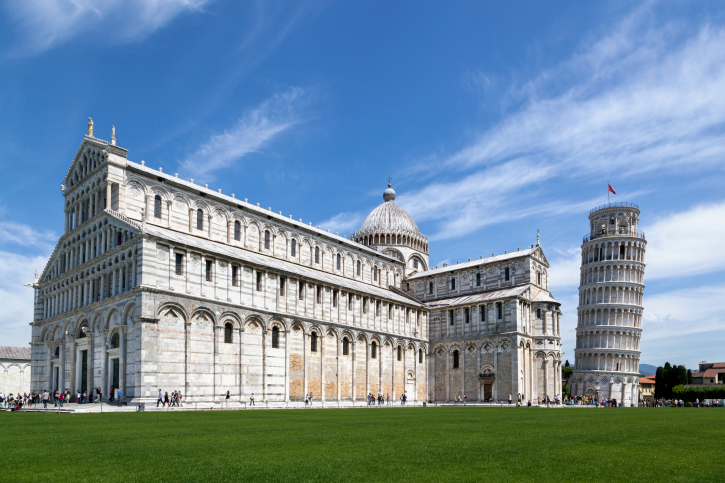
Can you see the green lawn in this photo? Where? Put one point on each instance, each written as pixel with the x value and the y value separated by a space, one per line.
pixel 373 445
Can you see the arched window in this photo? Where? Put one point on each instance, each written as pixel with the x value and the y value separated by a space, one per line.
pixel 57 351
pixel 415 263
pixel 358 267
pixel 345 347
pixel 293 248
pixel 538 278
pixel 455 359
pixel 115 341
pixel 339 261
pixel 430 288
pixel 199 219
pixel 157 206
pixel 313 342
pixel 266 239
pixel 375 274
pixel 373 350
pixel 611 220
pixel 478 280
pixel 400 353
pixel 237 230
pixel 317 254
pixel 507 273
pixel 420 356
pixel 538 313
pixel 453 283
pixel 275 338
pixel 228 333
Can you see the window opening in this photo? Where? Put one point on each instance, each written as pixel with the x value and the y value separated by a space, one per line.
pixel 237 231
pixel 275 338
pixel 179 269
pixel 507 273
pixel 199 219
pixel 373 350
pixel 456 358
pixel 228 333
pixel 478 280
pixel 317 254
pixel 293 248
pixel 157 206
pixel 345 348
pixel 208 270
pixel 400 353
pixel 266 239
pixel 451 317
pixel 282 286
pixel 259 281
pixel 313 342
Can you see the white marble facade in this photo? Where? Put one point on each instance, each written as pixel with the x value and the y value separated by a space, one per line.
pixel 161 283
pixel 14 370
pixel 609 326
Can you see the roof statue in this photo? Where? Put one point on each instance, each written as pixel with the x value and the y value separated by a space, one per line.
pixel 90 127
pixel 113 135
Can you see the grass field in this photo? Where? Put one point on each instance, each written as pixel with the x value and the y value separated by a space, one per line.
pixel 434 444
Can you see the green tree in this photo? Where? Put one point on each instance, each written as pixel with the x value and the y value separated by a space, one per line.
pixel 681 376
pixel 689 376
pixel 566 364
pixel 660 382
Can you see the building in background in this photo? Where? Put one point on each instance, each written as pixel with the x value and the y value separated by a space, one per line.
pixel 647 387
pixel 14 370
pixel 710 373
pixel 609 316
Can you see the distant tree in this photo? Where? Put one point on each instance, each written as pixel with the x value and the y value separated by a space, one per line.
pixel 689 376
pixel 566 364
pixel 681 376
pixel 660 382
pixel 566 372
pixel 565 389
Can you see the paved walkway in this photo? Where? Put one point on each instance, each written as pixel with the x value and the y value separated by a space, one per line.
pixel 73 408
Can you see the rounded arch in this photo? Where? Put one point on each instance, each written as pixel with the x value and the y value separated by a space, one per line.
pixel 229 316
pixel 277 322
pixel 173 310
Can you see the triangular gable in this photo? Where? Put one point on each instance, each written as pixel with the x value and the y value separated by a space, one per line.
pixel 539 253
pixel 94 149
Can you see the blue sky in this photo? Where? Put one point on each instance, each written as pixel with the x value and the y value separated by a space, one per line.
pixel 494 119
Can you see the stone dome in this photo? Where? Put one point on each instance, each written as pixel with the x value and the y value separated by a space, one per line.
pixel 389 218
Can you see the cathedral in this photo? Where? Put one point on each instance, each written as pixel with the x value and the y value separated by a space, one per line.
pixel 160 283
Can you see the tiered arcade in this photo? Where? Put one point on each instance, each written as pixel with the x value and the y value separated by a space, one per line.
pixel 609 326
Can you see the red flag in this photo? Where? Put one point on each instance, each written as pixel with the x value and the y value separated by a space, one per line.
pixel 611 190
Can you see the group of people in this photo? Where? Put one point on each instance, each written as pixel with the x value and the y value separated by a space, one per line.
pixel 590 401
pixel 679 403
pixel 173 400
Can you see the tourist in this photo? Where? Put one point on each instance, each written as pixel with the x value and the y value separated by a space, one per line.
pixel 310 398
pixel 226 399
pixel 166 399
pixel 110 393
pixel 509 398
pixel 99 395
pixel 251 400
pixel 120 397
pixel 464 399
pixel 160 400
pixel 79 398
pixel 180 398
pixel 45 399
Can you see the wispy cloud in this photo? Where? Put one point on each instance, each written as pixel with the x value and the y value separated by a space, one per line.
pixel 25 235
pixel 673 314
pixel 257 128
pixel 639 100
pixel 43 24
pixel 17 313
pixel 343 223
pixel 686 243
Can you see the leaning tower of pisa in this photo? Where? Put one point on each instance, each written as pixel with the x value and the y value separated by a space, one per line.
pixel 609 326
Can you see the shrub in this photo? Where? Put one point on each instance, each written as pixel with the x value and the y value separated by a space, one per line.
pixel 689 394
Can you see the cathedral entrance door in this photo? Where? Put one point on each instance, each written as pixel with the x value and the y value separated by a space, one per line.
pixel 84 371
pixel 114 379
pixel 487 391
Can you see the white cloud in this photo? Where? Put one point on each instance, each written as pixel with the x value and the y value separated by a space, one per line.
pixel 21 234
pixel 15 271
pixel 639 100
pixel 686 311
pixel 686 243
pixel 43 24
pixel 343 223
pixel 257 128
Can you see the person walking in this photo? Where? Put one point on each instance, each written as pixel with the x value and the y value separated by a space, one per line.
pixel 166 399
pixel 226 399
pixel 120 397
pixel 509 398
pixel 464 399
pixel 110 393
pixel 251 400
pixel 160 400
pixel 45 399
